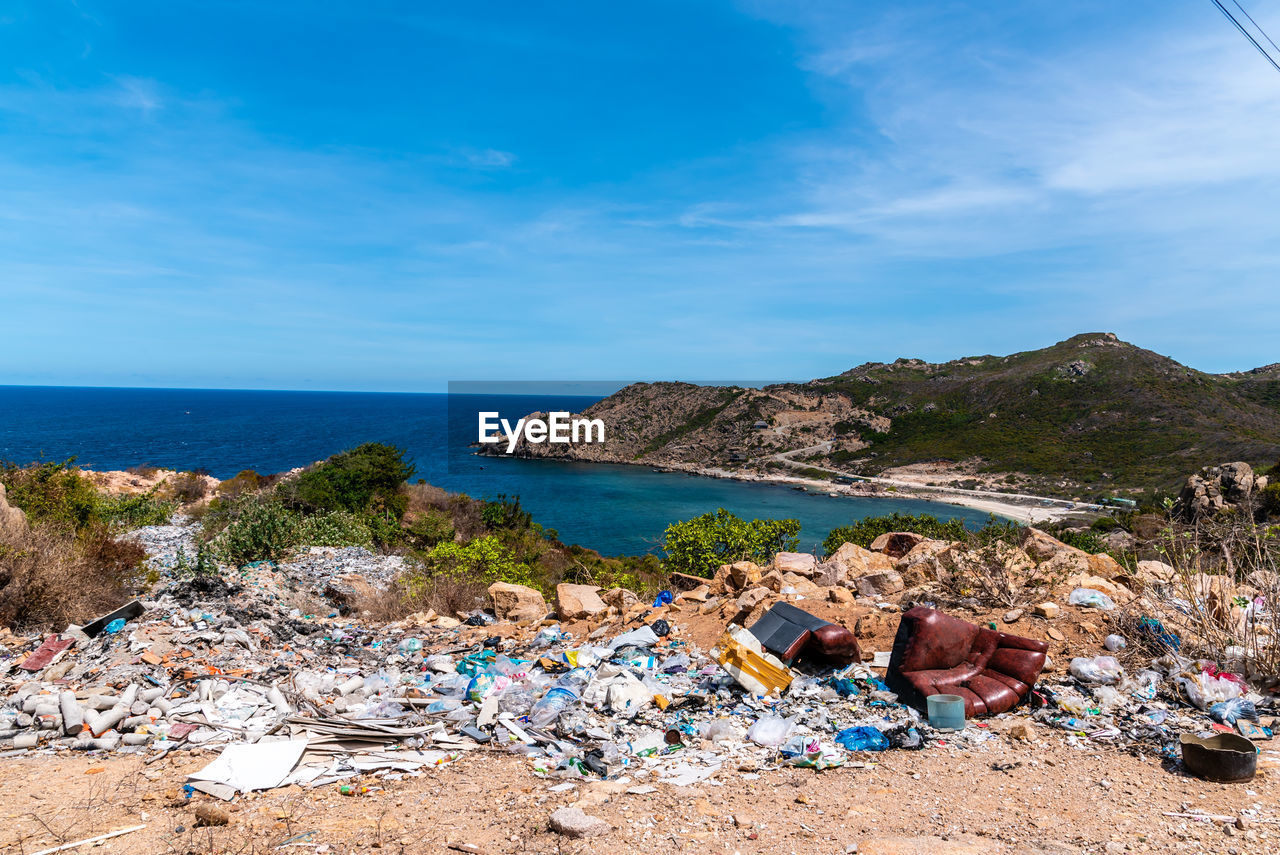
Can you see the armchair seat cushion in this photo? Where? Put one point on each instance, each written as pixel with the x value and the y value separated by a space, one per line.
pixel 935 653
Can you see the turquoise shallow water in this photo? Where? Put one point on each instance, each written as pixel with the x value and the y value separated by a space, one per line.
pixel 614 509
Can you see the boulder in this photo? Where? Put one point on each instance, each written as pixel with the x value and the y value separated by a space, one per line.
pixel 857 561
pixel 927 562
pixel 896 544
pixel 697 595
pixel 772 580
pixel 752 598
pixel 880 584
pixel 799 584
pixel 744 574
pixel 1156 572
pixel 620 598
pixel 829 574
pixel 12 520
pixel 1117 592
pixel 800 563
pixel 578 601
pixel 517 602
pixel 1045 547
pixel 572 822
pixel 843 596
pixel 1216 488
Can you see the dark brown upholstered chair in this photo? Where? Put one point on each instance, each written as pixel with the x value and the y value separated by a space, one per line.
pixel 935 653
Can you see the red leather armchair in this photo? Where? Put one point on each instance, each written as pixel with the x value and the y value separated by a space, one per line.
pixel 935 653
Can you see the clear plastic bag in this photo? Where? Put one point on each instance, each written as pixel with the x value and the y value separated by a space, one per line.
pixel 1091 598
pixel 1100 670
pixel 770 731
pixel 1115 643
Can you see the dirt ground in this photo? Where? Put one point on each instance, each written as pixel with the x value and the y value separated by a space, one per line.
pixel 1003 796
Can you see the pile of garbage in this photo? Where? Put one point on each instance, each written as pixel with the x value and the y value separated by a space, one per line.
pixel 224 662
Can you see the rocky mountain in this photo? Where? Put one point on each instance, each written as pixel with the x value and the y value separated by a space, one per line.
pixel 1091 413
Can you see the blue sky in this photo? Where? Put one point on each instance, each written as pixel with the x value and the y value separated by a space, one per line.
pixel 387 196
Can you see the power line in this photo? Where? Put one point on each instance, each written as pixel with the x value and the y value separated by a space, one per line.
pixel 1256 24
pixel 1246 33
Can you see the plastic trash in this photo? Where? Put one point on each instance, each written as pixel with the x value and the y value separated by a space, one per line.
pixel 1090 598
pixel 862 738
pixel 551 706
pixel 1206 688
pixel 770 731
pixel 716 730
pixel 114 627
pixel 660 628
pixel 1154 630
pixel 1229 712
pixel 1101 670
pixel 642 637
pixel 1114 643
pixel 664 598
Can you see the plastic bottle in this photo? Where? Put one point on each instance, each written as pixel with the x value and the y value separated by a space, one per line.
pixel 564 694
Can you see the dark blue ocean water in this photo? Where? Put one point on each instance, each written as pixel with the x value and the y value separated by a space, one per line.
pixel 614 509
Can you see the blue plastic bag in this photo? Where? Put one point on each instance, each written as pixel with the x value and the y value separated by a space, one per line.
pixel 114 627
pixel 862 738
pixel 664 598
pixel 1228 712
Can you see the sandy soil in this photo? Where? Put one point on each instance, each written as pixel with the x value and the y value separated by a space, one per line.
pixel 1001 797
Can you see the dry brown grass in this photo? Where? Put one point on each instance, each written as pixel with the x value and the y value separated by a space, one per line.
pixel 49 578
pixel 1227 579
pixel 445 594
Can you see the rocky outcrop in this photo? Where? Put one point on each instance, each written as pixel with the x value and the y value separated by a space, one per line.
pixel 896 544
pixel 12 520
pixel 517 602
pixel 800 563
pixel 574 602
pixel 1216 488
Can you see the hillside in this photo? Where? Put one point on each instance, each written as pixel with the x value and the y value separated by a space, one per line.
pixel 1089 414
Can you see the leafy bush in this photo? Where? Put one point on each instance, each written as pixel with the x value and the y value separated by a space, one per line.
pixel 134 511
pixel 336 528
pixel 484 559
pixel 424 529
pixel 366 478
pixel 864 531
pixel 1105 524
pixel 504 512
pixel 259 530
pixel 53 493
pixel 1086 540
pixel 700 545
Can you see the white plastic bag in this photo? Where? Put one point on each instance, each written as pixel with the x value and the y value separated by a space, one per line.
pixel 1100 670
pixel 770 731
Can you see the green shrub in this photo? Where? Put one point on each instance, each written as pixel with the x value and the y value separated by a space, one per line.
pixel 1105 524
pixel 54 493
pixel 504 512
pixel 336 528
pixel 700 545
pixel 484 559
pixel 1271 498
pixel 864 531
pixel 366 478
pixel 127 511
pixel 259 530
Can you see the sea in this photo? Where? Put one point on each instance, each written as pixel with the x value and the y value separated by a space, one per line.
pixel 614 509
